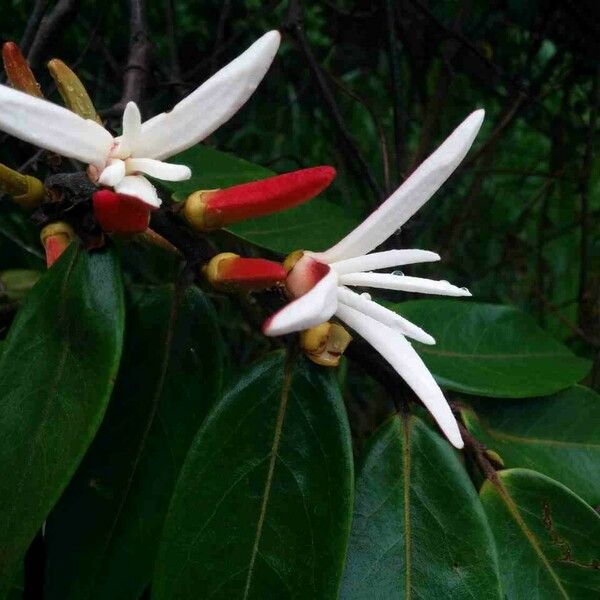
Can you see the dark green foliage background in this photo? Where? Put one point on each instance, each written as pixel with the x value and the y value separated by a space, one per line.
pixel 285 494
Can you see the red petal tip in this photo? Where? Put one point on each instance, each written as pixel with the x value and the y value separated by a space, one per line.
pixel 120 213
pixel 251 272
pixel 55 245
pixel 267 196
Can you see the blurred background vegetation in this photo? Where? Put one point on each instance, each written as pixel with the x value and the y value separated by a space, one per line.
pixel 372 87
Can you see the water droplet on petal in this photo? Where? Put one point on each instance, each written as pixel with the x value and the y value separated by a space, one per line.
pixel 464 289
pixel 398 273
pixel 366 295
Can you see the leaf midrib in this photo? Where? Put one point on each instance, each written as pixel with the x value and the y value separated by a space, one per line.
pixel 285 388
pixel 140 450
pixel 513 509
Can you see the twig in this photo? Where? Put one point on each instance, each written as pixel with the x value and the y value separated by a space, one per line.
pixel 33 23
pixel 293 24
pixel 586 292
pixel 396 92
pixel 137 70
pixel 175 69
pixel 49 25
pixel 223 16
pixel 378 126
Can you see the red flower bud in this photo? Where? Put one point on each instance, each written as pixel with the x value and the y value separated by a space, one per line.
pixel 18 72
pixel 55 238
pixel 119 213
pixel 212 209
pixel 228 271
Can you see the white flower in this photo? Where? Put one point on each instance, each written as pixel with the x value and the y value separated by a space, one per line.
pixel 319 281
pixel 119 162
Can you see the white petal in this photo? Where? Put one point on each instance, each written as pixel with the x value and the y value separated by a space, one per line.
pixel 211 105
pixel 313 308
pixel 112 174
pixel 140 187
pixel 407 363
pixel 158 169
pixel 384 260
pixel 410 196
pixel 383 315
pixel 53 127
pixel 132 126
pixel 403 283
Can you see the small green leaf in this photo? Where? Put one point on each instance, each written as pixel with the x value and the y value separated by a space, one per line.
pixel 315 225
pixel 103 536
pixel 556 435
pixel 547 537
pixel 56 374
pixel 491 350
pixel 262 508
pixel 419 529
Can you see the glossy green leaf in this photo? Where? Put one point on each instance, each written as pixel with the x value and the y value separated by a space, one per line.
pixel 491 350
pixel 418 530
pixel 103 536
pixel 56 374
pixel 547 537
pixel 262 508
pixel 315 225
pixel 556 435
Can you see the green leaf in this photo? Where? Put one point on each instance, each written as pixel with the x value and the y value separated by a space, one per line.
pixel 315 225
pixel 547 537
pixel 262 508
pixel 556 435
pixel 491 350
pixel 103 536
pixel 56 374
pixel 419 529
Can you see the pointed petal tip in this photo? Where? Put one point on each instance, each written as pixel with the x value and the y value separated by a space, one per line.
pixel 456 441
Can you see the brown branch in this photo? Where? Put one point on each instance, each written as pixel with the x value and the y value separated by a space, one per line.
pixel 399 115
pixel 588 294
pixel 137 69
pixel 294 24
pixel 174 74
pixel 48 27
pixel 33 23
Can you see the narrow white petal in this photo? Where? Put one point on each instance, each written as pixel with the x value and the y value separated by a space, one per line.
pixel 211 105
pixel 140 187
pixel 53 127
pixel 112 174
pixel 384 260
pixel 392 345
pixel 403 283
pixel 410 196
pixel 132 125
pixel 383 315
pixel 158 169
pixel 313 308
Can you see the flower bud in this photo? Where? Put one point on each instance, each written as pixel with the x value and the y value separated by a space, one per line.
pixel 324 344
pixel 212 209
pixel 25 190
pixel 72 91
pixel 120 213
pixel 55 239
pixel 230 272
pixel 18 72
